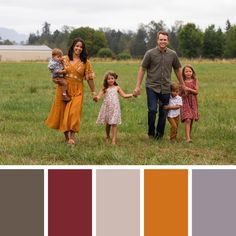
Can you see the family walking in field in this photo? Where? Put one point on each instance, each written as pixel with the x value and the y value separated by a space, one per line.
pixel 172 101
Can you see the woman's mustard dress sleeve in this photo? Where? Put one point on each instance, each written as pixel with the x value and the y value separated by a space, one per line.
pixel 89 74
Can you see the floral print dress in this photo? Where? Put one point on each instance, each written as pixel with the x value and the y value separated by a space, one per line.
pixel 110 112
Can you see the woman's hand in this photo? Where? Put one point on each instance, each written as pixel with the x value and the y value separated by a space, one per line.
pixel 94 96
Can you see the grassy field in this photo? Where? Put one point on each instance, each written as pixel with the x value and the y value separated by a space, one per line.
pixel 27 93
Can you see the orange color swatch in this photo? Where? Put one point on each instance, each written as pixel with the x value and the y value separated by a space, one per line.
pixel 166 202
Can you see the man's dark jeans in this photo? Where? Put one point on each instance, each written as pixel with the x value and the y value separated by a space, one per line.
pixel 153 101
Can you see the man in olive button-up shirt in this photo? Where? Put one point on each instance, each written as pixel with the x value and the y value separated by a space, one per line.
pixel 158 62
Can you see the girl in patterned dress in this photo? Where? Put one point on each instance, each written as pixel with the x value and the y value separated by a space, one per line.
pixel 110 114
pixel 189 110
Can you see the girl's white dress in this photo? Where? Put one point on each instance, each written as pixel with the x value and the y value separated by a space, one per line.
pixel 110 110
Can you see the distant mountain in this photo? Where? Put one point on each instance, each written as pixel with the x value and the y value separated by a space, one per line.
pixel 12 35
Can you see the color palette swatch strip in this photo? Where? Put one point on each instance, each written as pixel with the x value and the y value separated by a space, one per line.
pixel 128 202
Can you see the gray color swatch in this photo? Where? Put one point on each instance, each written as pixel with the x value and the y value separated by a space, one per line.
pixel 21 203
pixel 214 202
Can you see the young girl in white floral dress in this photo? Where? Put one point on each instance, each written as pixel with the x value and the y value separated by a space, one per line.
pixel 110 114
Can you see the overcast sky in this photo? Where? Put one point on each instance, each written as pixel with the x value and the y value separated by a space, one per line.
pixel 28 16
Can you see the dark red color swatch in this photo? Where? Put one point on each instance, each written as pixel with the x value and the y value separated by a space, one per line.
pixel 69 202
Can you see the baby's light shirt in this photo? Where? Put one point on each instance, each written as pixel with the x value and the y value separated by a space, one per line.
pixel 177 100
pixel 55 66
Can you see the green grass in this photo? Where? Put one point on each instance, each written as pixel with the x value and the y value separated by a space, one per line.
pixel 27 94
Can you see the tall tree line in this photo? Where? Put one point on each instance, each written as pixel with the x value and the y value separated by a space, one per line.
pixel 187 40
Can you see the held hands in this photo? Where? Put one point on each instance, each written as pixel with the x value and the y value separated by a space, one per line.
pixel 94 97
pixel 136 92
pixel 184 88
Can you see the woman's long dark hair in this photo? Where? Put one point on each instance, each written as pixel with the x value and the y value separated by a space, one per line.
pixel 83 55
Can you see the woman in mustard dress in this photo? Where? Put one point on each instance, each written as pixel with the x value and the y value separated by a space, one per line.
pixel 63 116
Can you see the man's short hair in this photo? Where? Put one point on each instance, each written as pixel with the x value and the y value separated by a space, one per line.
pixel 162 32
